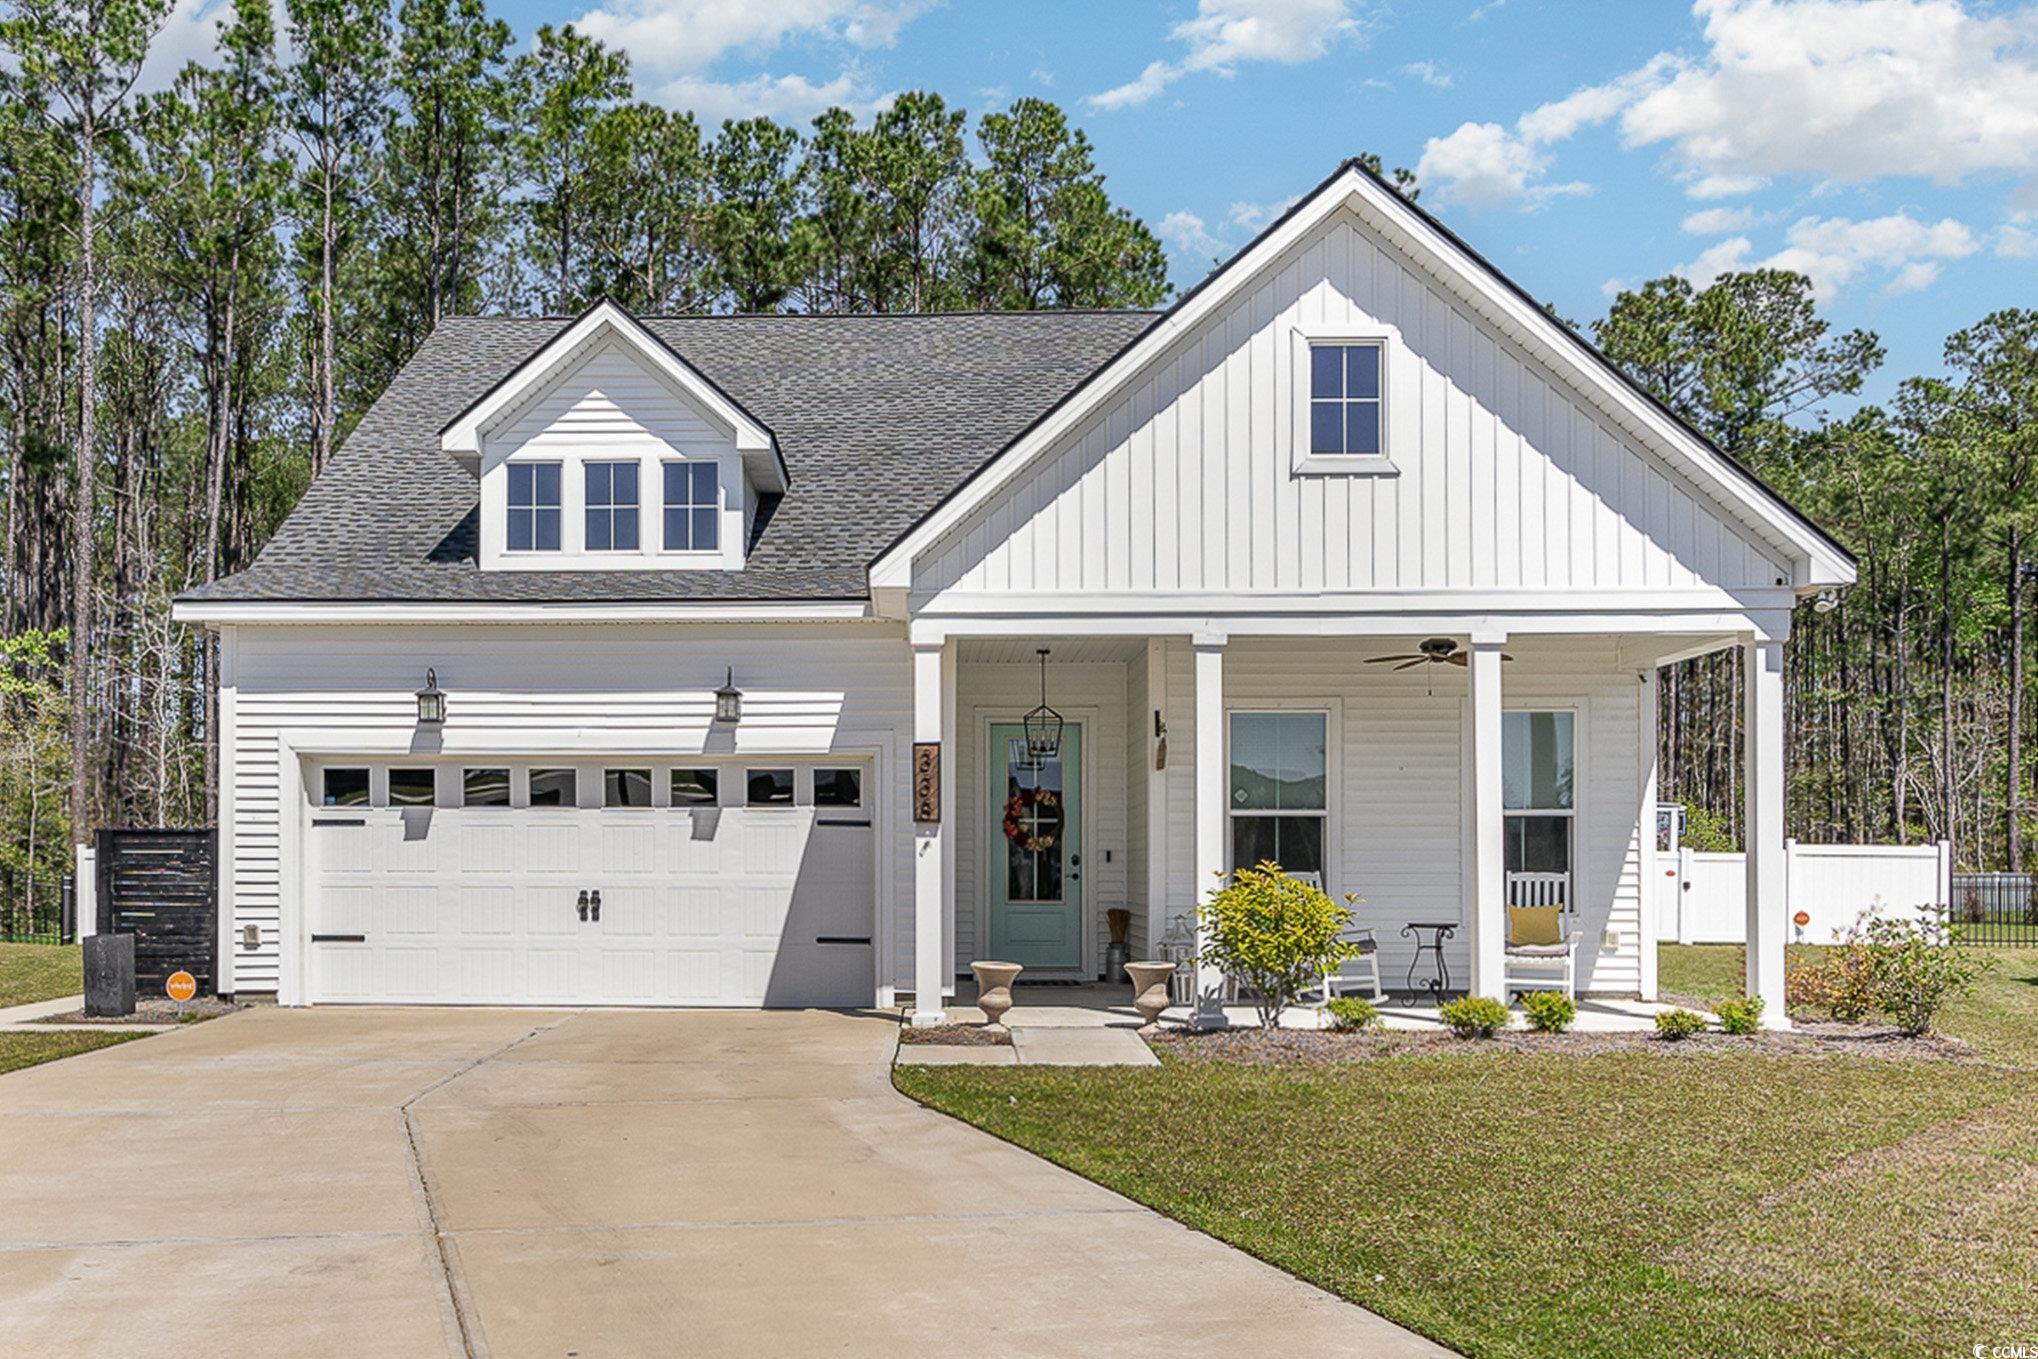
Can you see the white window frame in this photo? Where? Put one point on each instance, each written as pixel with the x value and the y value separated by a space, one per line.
pixel 717 506
pixel 1306 463
pixel 612 508
pixel 1332 779
pixel 509 508
pixel 1576 712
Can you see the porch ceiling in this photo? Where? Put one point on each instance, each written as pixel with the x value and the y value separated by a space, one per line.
pixel 1067 650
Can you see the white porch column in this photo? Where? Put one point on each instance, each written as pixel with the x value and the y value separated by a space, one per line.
pixel 1485 870
pixel 1210 818
pixel 933 841
pixel 1762 777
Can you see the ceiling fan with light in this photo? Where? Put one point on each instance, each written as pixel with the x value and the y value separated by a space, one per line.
pixel 1433 651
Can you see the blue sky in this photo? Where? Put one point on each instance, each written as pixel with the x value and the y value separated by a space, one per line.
pixel 1889 148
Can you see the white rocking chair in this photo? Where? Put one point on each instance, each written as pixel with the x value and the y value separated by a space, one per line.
pixel 1356 975
pixel 1542 967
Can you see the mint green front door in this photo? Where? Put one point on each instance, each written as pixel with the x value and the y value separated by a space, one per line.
pixel 1036 852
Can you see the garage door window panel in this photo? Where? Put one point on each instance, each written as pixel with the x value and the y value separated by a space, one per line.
pixel 695 787
pixel 770 787
pixel 344 788
pixel 626 788
pixel 413 787
pixel 838 787
pixel 555 788
pixel 485 788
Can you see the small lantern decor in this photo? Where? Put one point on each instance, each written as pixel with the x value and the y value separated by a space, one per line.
pixel 431 701
pixel 729 700
pixel 1043 724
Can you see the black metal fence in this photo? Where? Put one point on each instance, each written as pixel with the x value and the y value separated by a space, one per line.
pixel 1997 910
pixel 34 909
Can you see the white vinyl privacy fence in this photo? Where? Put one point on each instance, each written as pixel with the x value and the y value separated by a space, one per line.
pixel 1703 898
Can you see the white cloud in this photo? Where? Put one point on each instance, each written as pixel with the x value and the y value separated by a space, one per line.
pixel 673 44
pixel 1255 216
pixel 2017 243
pixel 1225 33
pixel 1190 235
pixel 1835 251
pixel 190 32
pixel 1838 91
pixel 1718 221
pixel 788 98
pixel 1485 165
pixel 1430 74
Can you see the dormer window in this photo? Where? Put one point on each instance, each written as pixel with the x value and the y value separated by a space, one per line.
pixel 534 507
pixel 612 507
pixel 692 507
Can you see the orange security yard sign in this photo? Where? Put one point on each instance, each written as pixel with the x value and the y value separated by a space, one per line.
pixel 181 986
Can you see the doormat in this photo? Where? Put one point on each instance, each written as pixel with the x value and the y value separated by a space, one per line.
pixel 1050 981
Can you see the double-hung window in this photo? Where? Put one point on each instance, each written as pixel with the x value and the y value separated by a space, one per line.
pixel 1538 768
pixel 1344 399
pixel 1279 809
pixel 612 507
pixel 692 518
pixel 533 507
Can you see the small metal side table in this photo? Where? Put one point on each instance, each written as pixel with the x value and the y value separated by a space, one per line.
pixel 1438 931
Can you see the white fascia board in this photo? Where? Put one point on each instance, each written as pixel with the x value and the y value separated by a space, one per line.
pixel 462 438
pixel 222 613
pixel 1768 625
pixel 1820 567
pixel 1344 603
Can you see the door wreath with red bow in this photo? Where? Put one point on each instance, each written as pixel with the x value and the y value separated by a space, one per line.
pixel 1034 819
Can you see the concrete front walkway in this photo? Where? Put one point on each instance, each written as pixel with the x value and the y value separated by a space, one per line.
pixel 507 1183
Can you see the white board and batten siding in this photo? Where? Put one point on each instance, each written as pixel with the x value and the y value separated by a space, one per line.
pixel 558 690
pixel 1505 478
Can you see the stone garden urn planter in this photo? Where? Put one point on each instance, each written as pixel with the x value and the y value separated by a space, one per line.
pixel 1150 991
pixel 994 990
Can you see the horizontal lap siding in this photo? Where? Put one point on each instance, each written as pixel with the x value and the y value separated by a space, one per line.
pixel 1399 839
pixel 1004 693
pixel 1508 478
pixel 807 689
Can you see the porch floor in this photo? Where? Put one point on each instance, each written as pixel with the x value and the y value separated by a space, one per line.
pixel 1094 1005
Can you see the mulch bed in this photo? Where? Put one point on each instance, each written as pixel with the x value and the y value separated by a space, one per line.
pixel 958 1036
pixel 1809 1039
pixel 153 1012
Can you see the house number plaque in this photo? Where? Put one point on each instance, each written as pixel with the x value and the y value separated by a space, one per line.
pixel 926 780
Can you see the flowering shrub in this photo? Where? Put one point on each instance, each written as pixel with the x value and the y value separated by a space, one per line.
pixel 1915 967
pixel 1840 985
pixel 1549 1011
pixel 1276 935
pixel 1474 1016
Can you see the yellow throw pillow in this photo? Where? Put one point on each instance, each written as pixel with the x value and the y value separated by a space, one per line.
pixel 1533 925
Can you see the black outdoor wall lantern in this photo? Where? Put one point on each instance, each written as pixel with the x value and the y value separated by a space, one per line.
pixel 431 701
pixel 729 700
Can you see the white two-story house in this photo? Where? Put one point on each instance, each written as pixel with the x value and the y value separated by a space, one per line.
pixel 688 661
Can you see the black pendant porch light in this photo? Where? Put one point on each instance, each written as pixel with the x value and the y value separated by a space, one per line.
pixel 1043 724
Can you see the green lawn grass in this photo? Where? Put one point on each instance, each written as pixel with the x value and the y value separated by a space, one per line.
pixel 18 1050
pixel 1665 1201
pixel 32 972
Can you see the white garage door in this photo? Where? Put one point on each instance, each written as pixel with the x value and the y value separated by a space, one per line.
pixel 614 884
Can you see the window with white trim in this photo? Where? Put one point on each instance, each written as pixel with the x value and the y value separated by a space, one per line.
pixel 1279 805
pixel 1538 769
pixel 534 507
pixel 1345 405
pixel 612 507
pixel 692 507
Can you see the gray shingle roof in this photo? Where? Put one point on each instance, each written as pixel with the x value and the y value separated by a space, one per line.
pixel 878 418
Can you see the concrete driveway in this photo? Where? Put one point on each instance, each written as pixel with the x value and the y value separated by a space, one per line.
pixel 495 1182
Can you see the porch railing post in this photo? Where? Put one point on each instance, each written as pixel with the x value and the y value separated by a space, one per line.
pixel 1767 862
pixel 1210 813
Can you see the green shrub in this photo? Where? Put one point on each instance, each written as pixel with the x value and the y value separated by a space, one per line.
pixel 1276 935
pixel 1740 1016
pixel 1706 832
pixel 1840 985
pixel 1915 968
pixel 1474 1016
pixel 1674 1025
pixel 1352 1013
pixel 1549 1011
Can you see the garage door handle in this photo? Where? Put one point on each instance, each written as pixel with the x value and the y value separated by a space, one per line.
pixel 339 939
pixel 863 939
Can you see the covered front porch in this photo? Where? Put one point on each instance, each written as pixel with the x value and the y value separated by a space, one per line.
pixel 1514 768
